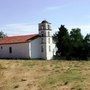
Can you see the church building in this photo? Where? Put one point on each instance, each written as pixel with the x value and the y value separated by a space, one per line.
pixel 29 46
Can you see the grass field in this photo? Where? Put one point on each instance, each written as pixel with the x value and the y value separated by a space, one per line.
pixel 44 75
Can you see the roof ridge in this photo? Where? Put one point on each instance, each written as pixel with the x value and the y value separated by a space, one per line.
pixel 21 35
pixel 18 39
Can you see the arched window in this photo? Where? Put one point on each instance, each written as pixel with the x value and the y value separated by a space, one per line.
pixel 49 48
pixel 41 40
pixel 42 27
pixel 42 49
pixel 48 27
pixel 49 40
pixel 42 35
pixel 10 49
pixel 48 33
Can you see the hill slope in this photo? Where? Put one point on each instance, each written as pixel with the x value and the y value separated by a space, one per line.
pixel 44 75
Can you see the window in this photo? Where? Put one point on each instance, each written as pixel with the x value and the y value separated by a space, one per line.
pixel 1 47
pixel 49 48
pixel 41 48
pixel 42 27
pixel 42 35
pixel 48 27
pixel 49 40
pixel 41 40
pixel 48 33
pixel 10 49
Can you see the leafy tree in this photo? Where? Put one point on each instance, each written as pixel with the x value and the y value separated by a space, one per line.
pixel 76 43
pixel 62 41
pixel 86 49
pixel 2 35
pixel 72 45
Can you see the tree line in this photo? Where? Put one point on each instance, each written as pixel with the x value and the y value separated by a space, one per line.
pixel 71 45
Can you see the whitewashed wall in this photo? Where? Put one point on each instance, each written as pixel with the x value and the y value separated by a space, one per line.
pixel 35 47
pixel 18 51
pixel 49 54
pixel 28 50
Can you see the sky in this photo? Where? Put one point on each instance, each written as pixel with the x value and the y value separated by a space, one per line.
pixel 19 17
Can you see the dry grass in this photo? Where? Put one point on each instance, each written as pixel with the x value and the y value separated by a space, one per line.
pixel 44 75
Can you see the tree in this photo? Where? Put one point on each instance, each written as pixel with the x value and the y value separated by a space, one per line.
pixel 76 43
pixel 87 46
pixel 72 45
pixel 2 35
pixel 62 40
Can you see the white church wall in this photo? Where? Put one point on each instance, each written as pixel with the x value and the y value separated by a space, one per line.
pixel 20 50
pixel 48 33
pixel 49 49
pixel 35 48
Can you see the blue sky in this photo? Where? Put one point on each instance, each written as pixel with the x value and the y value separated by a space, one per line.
pixel 22 16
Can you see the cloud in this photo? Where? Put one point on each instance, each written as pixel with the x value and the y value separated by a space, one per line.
pixel 23 29
pixel 85 29
pixel 19 29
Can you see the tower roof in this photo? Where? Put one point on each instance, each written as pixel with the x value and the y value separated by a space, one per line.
pixel 44 21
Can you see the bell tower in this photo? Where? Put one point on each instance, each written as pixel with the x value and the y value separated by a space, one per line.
pixel 45 40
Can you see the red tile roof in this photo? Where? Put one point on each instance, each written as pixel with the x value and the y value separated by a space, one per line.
pixel 18 39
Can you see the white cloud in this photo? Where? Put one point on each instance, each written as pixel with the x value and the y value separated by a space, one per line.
pixel 23 29
pixel 19 29
pixel 84 28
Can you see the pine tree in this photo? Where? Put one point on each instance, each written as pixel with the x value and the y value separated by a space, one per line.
pixel 62 40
